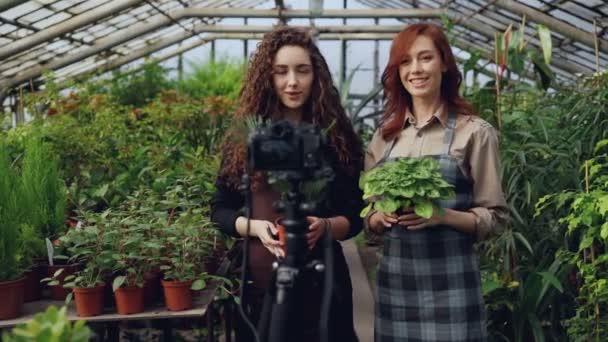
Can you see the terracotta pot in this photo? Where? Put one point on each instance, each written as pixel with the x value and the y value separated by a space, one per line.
pixel 32 287
pixel 11 297
pixel 129 300
pixel 58 292
pixel 152 289
pixel 178 295
pixel 89 300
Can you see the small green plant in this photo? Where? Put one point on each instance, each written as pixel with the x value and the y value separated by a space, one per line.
pixel 137 251
pixel 52 325
pixel 405 183
pixel 90 246
pixel 185 248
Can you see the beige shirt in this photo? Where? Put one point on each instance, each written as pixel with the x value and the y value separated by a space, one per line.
pixel 475 146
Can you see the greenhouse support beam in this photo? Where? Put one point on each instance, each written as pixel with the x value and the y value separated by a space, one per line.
pixel 66 26
pixel 138 30
pixel 7 4
pixel 393 13
pixel 119 5
pixel 557 25
pixel 164 43
pixel 143 52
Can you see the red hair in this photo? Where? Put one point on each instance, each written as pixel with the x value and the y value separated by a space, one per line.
pixel 397 99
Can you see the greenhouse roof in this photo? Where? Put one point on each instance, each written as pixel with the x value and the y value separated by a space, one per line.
pixel 75 37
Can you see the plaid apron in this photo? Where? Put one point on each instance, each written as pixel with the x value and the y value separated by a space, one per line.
pixel 428 281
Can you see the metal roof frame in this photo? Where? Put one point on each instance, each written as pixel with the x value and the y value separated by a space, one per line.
pixel 105 34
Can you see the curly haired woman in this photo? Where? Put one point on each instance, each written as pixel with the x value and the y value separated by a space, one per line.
pixel 288 78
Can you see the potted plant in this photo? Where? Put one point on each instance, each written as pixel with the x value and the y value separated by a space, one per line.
pixel 185 248
pixel 134 256
pixel 91 247
pixel 32 246
pixel 44 199
pixel 51 325
pixel 11 273
pixel 405 183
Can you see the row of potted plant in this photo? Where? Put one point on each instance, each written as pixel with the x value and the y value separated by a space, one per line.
pixel 132 247
pixel 32 209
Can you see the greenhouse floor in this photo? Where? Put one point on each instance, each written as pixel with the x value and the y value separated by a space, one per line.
pixel 363 300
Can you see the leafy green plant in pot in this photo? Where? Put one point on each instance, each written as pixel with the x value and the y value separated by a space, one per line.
pixel 44 200
pixel 134 256
pixel 90 246
pixel 185 248
pixel 11 274
pixel 405 183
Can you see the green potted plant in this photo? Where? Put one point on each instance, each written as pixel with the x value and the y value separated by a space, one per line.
pixel 405 183
pixel 91 247
pixel 135 255
pixel 44 199
pixel 32 247
pixel 185 249
pixel 49 326
pixel 11 272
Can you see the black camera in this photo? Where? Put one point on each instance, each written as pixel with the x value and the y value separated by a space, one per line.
pixel 279 146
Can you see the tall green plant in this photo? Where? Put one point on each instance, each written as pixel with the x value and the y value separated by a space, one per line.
pixel 44 193
pixel 9 220
pixel 138 88
pixel 220 78
pixel 587 226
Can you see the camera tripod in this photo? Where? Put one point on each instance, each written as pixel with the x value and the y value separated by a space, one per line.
pixel 277 318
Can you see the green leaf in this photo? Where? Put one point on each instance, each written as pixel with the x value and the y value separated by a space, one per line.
pixel 523 241
pixel 604 231
pixel 545 42
pixel 551 279
pixel 118 282
pixel 387 206
pixel 366 210
pixel 424 209
pixel 587 241
pixel 537 329
pixel 489 285
pixel 198 284
pixel 102 191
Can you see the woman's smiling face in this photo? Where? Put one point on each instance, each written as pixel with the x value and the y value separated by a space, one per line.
pixel 422 70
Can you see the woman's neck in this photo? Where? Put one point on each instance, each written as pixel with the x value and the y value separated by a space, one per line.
pixel 294 116
pixel 424 107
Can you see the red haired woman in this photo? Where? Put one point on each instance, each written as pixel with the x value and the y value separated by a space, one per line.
pixel 288 78
pixel 428 282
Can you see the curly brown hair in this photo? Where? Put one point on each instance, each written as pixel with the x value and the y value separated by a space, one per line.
pixel 323 108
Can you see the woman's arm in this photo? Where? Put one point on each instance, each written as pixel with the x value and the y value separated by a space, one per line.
pixel 226 213
pixel 226 204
